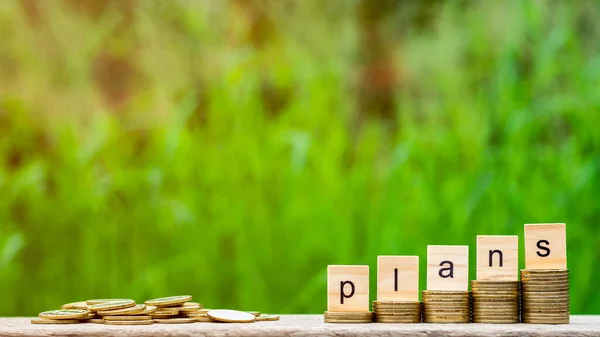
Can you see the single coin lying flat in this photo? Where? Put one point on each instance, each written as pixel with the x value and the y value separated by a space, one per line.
pixel 136 309
pixel 53 321
pixel 104 300
pixel 128 318
pixel 231 316
pixel 175 320
pixel 114 305
pixel 169 301
pixel 144 322
pixel 267 317
pixel 64 314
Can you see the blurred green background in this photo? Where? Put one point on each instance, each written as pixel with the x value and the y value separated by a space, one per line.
pixel 233 149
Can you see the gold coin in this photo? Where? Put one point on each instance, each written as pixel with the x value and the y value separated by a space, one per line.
pixel 446 300
pixel 177 320
pixel 459 307
pixel 144 322
pixel 203 318
pixel 444 292
pixel 401 307
pixel 530 305
pixel 169 301
pixel 54 321
pixel 136 309
pixel 64 314
pixel 525 297
pixel 348 313
pixel 393 314
pixel 446 313
pixel 127 318
pixel 149 309
pixel 546 287
pixel 546 314
pixel 75 305
pixel 493 297
pixel 267 317
pixel 396 303
pixel 502 309
pixel 348 317
pixel 485 304
pixel 539 312
pixel 166 311
pixel 544 271
pixel 545 321
pixel 466 309
pixel 114 305
pixel 495 291
pixel 159 316
pixel 231 316
pixel 104 300
pixel 545 294
pixel 483 282
pixel 397 312
pixel 393 320
pixel 445 320
pixel 494 288
pixel 538 281
pixel 499 317
pixel 190 307
pixel 496 321
pixel 345 321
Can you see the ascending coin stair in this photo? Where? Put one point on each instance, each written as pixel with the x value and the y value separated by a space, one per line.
pixel 165 310
pixel 541 297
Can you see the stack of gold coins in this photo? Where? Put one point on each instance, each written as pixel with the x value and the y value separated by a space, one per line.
pixel 445 306
pixel 397 312
pixel 495 301
pixel 348 317
pixel 545 296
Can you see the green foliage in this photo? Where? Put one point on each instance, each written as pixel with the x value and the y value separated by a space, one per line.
pixel 195 185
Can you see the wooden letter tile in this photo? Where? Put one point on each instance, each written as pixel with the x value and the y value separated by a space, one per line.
pixel 448 268
pixel 397 278
pixel 498 257
pixel 546 246
pixel 348 288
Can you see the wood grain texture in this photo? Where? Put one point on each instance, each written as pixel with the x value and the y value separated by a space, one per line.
pixel 553 239
pixel 300 326
pixel 504 251
pixel 356 293
pixel 401 287
pixel 455 261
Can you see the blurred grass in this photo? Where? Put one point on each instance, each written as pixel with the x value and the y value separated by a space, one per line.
pixel 183 180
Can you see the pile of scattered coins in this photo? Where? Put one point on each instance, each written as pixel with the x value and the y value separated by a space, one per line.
pixel 165 310
pixel 443 306
pixel 495 301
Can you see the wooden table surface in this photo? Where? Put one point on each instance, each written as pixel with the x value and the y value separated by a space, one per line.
pixel 301 325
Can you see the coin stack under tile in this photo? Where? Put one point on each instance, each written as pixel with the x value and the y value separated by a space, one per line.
pixel 348 317
pixel 444 306
pixel 495 301
pixel 397 311
pixel 545 296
